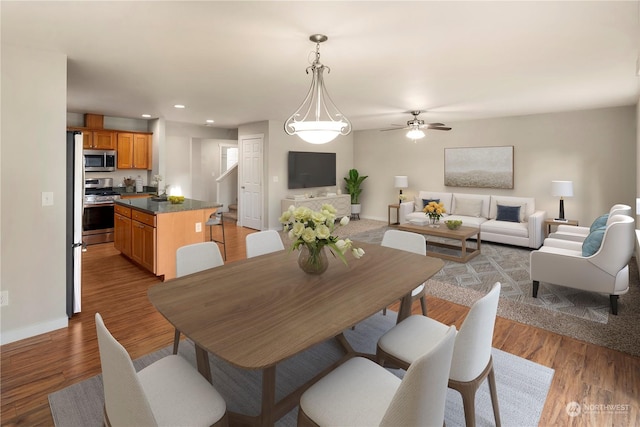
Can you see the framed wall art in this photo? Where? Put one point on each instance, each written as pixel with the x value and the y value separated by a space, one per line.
pixel 479 167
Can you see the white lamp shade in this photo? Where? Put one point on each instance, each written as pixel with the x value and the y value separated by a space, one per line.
pixel 401 181
pixel 562 188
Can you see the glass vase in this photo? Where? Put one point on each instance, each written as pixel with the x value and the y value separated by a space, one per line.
pixel 313 260
pixel 434 221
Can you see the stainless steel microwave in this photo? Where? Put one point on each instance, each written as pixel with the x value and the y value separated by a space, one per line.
pixel 99 160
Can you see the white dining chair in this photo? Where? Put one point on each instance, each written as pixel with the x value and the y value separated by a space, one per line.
pixel 263 242
pixel 403 344
pixel 192 259
pixel 362 393
pixel 168 392
pixel 410 242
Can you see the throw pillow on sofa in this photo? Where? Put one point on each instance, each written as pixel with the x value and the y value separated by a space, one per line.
pixel 601 221
pixel 508 213
pixel 495 201
pixel 425 202
pixel 468 207
pixel 592 243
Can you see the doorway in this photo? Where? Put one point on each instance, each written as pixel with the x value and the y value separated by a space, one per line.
pixel 250 179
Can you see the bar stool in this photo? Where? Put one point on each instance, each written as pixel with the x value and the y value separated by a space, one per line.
pixel 216 219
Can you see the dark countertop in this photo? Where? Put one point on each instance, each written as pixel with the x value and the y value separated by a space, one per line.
pixel 145 190
pixel 149 206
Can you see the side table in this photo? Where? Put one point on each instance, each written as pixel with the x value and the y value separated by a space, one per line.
pixel 550 221
pixel 395 206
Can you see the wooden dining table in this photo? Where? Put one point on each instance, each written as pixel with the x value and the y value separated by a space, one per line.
pixel 258 312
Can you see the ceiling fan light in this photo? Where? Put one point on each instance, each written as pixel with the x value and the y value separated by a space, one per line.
pixel 415 134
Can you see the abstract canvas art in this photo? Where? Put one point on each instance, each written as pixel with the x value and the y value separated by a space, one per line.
pixel 479 167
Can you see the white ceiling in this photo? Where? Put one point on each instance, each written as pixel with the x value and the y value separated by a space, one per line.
pixel 240 62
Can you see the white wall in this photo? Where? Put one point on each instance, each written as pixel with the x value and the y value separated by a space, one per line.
pixel 206 168
pixel 181 146
pixel 33 247
pixel 596 149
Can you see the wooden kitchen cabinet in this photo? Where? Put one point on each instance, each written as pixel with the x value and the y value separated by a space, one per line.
pixel 135 236
pixel 141 151
pixel 143 239
pixel 122 237
pixel 98 140
pixel 143 245
pixel 134 150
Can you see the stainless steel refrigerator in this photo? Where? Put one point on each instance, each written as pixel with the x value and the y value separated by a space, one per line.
pixel 75 199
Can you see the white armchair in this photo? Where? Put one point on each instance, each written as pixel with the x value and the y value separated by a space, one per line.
pixel 606 271
pixel 578 234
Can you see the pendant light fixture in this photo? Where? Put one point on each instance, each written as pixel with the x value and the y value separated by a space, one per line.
pixel 317 120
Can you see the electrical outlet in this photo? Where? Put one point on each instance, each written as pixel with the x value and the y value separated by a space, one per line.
pixel 47 198
pixel 4 298
pixel 198 227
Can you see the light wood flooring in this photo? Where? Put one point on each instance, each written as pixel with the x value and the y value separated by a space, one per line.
pixel 34 367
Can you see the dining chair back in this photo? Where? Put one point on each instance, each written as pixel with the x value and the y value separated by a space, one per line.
pixel 263 242
pixel 410 242
pixel 425 381
pixel 471 363
pixel 167 392
pixel 125 402
pixel 192 259
pixel 197 257
pixel 361 392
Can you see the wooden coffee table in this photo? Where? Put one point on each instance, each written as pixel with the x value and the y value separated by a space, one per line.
pixel 462 234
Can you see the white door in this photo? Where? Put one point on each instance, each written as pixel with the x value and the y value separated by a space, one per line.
pixel 251 197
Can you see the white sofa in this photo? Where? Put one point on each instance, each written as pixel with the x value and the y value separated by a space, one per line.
pixel 478 210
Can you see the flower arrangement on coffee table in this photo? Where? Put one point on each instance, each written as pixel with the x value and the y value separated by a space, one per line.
pixel 434 210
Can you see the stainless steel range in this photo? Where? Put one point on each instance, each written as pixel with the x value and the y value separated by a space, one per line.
pixel 97 220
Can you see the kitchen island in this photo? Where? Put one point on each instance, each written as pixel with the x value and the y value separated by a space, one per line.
pixel 149 232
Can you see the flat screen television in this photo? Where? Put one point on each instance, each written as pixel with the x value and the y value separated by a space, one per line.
pixel 308 169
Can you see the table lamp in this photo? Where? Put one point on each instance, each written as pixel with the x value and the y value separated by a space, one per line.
pixel 401 182
pixel 562 189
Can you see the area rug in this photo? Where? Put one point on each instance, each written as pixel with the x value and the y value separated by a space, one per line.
pixel 569 312
pixel 509 265
pixel 522 385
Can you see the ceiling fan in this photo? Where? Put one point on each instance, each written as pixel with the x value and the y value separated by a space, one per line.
pixel 416 126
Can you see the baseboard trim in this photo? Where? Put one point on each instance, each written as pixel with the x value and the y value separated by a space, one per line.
pixel 30 331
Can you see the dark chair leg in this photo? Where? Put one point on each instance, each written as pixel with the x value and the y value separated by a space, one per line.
pixel 613 299
pixel 536 285
pixel 176 341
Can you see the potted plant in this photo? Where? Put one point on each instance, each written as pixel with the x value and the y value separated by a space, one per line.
pixel 354 180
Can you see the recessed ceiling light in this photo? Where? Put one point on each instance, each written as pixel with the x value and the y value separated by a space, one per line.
pixel 146 116
pixel 209 121
pixel 179 106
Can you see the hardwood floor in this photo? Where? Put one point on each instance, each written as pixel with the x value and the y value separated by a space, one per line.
pixel 34 367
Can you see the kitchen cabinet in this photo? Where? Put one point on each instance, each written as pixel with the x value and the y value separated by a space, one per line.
pixel 134 150
pixel 143 239
pixel 135 235
pixel 143 245
pixel 122 229
pixel 98 139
